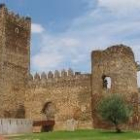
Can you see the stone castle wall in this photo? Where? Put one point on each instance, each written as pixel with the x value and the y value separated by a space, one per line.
pixel 117 63
pixel 14 61
pixel 70 93
pixel 66 95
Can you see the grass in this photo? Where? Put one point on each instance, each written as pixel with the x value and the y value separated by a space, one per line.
pixel 80 135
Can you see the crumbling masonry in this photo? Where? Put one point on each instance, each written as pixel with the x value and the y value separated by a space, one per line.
pixel 59 96
pixel 118 64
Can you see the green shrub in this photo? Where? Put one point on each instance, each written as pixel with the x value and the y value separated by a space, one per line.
pixel 114 109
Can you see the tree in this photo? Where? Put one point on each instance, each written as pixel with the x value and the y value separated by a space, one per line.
pixel 114 109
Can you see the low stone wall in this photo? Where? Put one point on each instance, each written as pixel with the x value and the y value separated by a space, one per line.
pixel 15 126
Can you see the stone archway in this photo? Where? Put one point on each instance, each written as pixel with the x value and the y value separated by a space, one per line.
pixel 49 111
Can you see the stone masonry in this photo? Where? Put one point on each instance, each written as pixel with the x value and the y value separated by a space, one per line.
pixel 14 62
pixel 70 94
pixel 65 96
pixel 117 63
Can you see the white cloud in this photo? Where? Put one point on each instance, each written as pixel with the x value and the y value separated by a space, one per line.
pixel 46 61
pixel 54 52
pixel 120 5
pixel 37 28
pixel 97 29
pixel 69 42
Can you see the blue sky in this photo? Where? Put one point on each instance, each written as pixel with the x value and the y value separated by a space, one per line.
pixel 64 32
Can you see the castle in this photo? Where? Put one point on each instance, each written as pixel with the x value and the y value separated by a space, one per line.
pixel 59 96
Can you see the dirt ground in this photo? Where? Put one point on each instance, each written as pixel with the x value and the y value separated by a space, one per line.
pixel 2 138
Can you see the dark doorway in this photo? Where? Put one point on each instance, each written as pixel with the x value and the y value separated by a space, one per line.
pixel 49 111
pixel 46 125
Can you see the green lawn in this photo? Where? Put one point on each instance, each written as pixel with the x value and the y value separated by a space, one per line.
pixel 80 135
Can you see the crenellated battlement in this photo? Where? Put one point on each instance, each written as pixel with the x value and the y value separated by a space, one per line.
pixel 64 77
pixel 56 75
pixel 12 17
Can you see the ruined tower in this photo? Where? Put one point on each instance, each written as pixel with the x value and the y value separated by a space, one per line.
pixel 14 62
pixel 115 65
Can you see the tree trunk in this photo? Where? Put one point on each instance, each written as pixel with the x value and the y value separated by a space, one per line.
pixel 118 130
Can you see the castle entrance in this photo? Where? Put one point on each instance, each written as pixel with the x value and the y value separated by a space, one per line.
pixel 49 111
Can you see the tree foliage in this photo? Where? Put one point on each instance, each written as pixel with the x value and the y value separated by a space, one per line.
pixel 114 109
